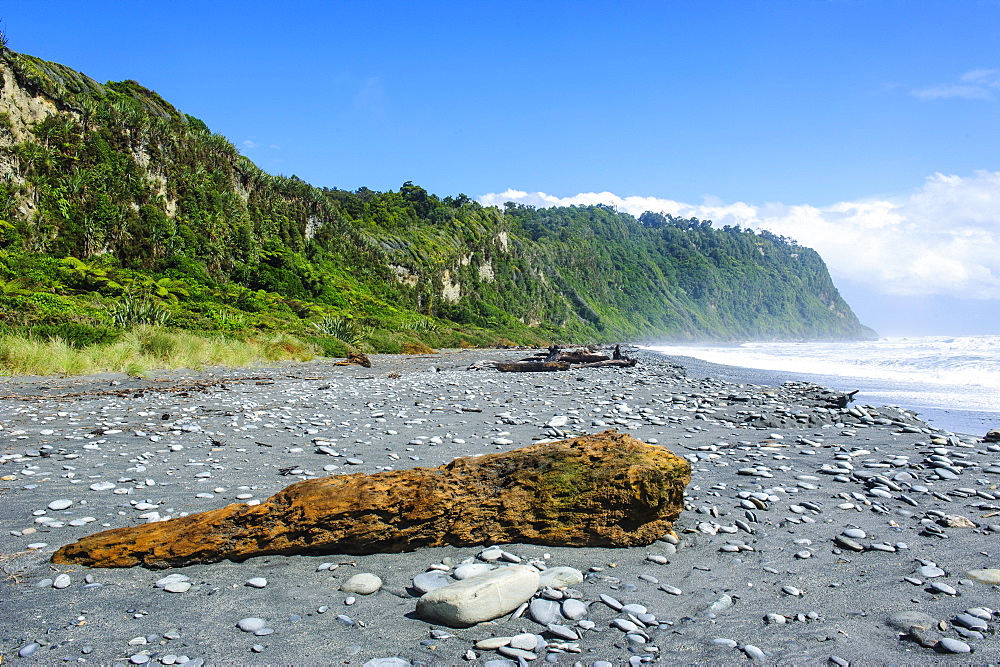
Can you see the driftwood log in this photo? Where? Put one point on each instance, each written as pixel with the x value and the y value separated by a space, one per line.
pixel 621 363
pixel 532 366
pixel 577 357
pixel 580 358
pixel 607 490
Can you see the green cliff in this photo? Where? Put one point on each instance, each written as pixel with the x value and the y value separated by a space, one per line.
pixel 117 209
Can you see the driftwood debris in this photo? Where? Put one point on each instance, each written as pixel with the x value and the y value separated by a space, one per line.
pixel 825 398
pixel 355 359
pixel 557 359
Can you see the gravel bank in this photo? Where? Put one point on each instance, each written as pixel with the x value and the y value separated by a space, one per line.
pixel 807 529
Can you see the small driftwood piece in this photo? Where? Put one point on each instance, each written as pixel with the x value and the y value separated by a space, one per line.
pixel 355 359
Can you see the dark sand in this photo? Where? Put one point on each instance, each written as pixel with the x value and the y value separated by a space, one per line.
pixel 253 432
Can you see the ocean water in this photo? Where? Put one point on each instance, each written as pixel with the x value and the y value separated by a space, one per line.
pixel 953 382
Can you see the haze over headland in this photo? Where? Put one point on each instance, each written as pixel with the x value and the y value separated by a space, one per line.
pixel 927 261
pixel 825 122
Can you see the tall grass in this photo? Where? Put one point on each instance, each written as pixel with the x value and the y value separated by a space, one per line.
pixel 145 348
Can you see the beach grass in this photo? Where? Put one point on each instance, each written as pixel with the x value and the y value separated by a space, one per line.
pixel 145 348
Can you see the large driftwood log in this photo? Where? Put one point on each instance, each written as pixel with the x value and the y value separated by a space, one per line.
pixel 607 490
pixel 621 363
pixel 532 366
pixel 582 357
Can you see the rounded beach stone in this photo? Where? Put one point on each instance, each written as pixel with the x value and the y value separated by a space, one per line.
pixel 425 582
pixel 362 584
pixel 560 577
pixel 256 582
pixel 467 570
pixel 989 576
pixel 544 611
pixel 251 624
pixel 574 610
pixel 60 504
pixel 904 620
pixel 483 597
pixel 954 645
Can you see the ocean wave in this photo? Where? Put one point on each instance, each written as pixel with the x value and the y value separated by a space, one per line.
pixel 957 361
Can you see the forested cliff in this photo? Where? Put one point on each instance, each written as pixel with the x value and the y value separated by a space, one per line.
pixel 116 208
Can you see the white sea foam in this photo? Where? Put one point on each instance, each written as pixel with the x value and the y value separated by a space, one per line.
pixel 940 372
pixel 963 360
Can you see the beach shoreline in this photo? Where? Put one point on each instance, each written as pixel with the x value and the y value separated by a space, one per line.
pixel 809 474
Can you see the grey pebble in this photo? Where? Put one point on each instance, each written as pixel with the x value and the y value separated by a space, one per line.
pixel 543 611
pixel 29 649
pixel 954 645
pixel 426 582
pixel 942 587
pixel 848 543
pixel 624 625
pixel 754 653
pixel 611 602
pixel 562 631
pixel 251 624
pixel 971 622
pixel 930 571
pixel 574 610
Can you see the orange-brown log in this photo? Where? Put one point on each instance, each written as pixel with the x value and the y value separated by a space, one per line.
pixel 607 490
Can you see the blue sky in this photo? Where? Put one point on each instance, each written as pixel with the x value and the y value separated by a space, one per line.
pixel 844 124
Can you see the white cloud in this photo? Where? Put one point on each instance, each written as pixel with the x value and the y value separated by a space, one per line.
pixel 943 238
pixel 249 145
pixel 977 84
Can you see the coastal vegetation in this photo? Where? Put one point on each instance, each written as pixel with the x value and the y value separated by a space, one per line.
pixel 121 216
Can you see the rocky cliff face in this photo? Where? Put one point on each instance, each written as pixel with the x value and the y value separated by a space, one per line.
pixel 113 173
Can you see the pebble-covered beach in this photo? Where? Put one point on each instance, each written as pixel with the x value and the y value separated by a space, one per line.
pixel 811 534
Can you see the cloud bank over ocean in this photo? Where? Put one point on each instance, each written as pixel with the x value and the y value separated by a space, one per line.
pixel 940 239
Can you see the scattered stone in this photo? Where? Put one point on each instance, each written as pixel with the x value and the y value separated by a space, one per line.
pixel 950 645
pixel 483 597
pixel 426 582
pixel 988 576
pixel 362 584
pixel 560 577
pixel 904 620
pixel 251 624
